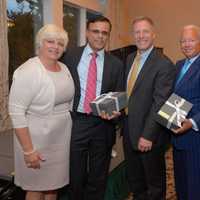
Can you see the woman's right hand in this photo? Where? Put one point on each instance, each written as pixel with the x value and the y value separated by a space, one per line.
pixel 33 160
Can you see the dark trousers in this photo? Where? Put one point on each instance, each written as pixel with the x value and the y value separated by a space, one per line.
pixel 145 171
pixel 90 158
pixel 187 173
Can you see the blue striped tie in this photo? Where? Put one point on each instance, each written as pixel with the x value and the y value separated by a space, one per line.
pixel 183 70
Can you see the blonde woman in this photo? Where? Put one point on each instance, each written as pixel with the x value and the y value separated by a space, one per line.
pixel 40 99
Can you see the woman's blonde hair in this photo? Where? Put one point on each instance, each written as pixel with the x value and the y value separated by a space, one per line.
pixel 50 31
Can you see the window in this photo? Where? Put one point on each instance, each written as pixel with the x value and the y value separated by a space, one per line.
pixel 74 22
pixel 71 23
pixel 91 14
pixel 25 17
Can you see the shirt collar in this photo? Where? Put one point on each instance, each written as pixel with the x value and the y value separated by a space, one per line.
pixel 146 53
pixel 89 50
pixel 191 60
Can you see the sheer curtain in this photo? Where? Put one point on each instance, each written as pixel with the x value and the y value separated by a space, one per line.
pixel 4 119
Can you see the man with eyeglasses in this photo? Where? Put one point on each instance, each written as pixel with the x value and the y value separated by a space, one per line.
pixel 95 72
pixel 186 140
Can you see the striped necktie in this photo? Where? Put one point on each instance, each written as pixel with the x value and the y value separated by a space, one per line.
pixel 183 70
pixel 90 93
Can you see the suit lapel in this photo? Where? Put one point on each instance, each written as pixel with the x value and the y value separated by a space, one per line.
pixel 106 73
pixel 129 64
pixel 145 69
pixel 191 71
pixel 77 58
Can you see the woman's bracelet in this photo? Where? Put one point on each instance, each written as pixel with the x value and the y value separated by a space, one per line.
pixel 27 153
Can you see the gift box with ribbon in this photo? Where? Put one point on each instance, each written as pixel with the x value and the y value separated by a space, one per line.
pixel 112 101
pixel 173 112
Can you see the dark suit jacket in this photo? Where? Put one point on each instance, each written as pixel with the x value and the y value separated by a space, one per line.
pixel 112 72
pixel 112 80
pixel 153 86
pixel 189 88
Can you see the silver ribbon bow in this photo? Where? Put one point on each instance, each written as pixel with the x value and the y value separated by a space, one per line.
pixel 102 97
pixel 179 113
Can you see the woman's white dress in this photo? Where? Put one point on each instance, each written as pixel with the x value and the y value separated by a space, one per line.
pixel 41 100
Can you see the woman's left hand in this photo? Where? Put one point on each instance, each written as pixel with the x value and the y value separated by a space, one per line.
pixel 33 160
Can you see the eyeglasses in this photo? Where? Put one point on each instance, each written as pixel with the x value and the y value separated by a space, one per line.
pixel 97 32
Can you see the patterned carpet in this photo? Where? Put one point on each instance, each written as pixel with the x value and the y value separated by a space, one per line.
pixel 171 194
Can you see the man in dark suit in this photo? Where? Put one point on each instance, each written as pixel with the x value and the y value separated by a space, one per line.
pixel 92 137
pixel 149 79
pixel 186 140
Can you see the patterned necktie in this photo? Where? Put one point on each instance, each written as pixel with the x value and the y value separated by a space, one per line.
pixel 90 93
pixel 133 74
pixel 183 70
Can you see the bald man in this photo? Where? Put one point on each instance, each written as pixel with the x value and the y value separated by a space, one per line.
pixel 186 140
